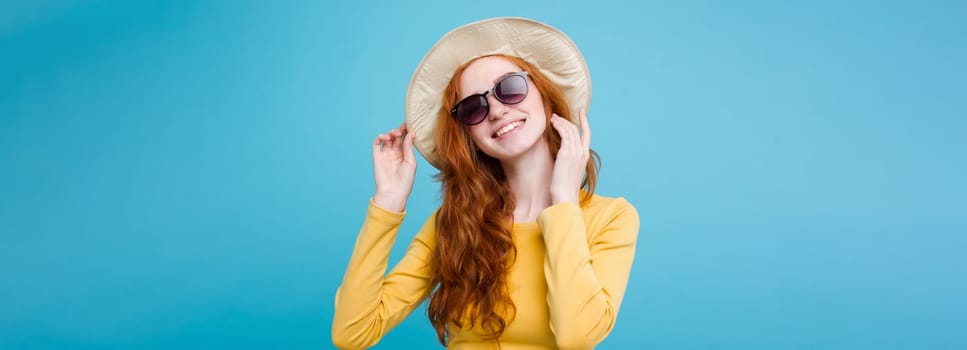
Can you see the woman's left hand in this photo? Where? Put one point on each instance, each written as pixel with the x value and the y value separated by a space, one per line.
pixel 572 158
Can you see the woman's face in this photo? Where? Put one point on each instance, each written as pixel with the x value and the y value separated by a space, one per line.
pixel 509 131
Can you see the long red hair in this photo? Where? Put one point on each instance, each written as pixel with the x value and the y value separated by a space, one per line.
pixel 474 246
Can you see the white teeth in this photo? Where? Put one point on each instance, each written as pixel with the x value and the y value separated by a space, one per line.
pixel 509 127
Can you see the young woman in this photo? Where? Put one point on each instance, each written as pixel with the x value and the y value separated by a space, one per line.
pixel 521 253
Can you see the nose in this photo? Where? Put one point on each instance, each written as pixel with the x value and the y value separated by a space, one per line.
pixel 497 109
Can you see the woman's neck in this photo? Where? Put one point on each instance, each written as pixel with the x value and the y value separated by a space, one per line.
pixel 529 177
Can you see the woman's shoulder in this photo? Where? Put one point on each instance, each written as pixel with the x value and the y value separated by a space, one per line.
pixel 610 218
pixel 607 209
pixel 606 203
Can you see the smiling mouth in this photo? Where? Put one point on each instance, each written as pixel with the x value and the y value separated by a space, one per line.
pixel 508 128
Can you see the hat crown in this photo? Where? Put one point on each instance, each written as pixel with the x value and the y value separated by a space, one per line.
pixel 545 47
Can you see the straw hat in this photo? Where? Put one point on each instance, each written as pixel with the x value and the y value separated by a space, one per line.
pixel 550 50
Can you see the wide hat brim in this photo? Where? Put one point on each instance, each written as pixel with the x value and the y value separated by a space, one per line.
pixel 547 48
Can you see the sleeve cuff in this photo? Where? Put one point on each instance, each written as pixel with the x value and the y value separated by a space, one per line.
pixel 379 214
pixel 557 211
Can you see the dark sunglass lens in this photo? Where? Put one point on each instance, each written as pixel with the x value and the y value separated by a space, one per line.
pixel 512 89
pixel 473 110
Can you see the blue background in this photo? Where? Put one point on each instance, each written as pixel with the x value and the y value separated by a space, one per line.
pixel 193 174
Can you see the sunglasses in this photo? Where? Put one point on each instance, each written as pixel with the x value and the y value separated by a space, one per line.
pixel 510 90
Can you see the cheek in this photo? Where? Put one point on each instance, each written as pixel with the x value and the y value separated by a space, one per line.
pixel 477 133
pixel 541 126
pixel 534 104
pixel 535 109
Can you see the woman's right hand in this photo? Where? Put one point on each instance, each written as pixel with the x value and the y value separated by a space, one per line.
pixel 394 168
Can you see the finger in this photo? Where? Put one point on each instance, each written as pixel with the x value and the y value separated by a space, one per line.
pixel 395 139
pixel 378 143
pixel 408 146
pixel 565 129
pixel 560 120
pixel 585 129
pixel 558 123
pixel 567 132
pixel 578 142
pixel 575 138
pixel 556 117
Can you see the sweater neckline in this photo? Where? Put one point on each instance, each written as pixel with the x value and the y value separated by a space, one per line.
pixel 526 226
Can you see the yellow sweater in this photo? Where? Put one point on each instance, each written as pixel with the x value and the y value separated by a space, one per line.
pixel 567 282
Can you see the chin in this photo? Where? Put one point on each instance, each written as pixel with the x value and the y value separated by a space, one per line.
pixel 513 149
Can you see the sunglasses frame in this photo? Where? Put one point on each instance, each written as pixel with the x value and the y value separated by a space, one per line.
pixel 523 74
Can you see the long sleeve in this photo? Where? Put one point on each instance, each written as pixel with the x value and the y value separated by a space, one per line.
pixel 587 266
pixel 369 304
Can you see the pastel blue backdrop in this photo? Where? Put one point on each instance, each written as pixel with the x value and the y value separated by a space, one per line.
pixel 193 174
